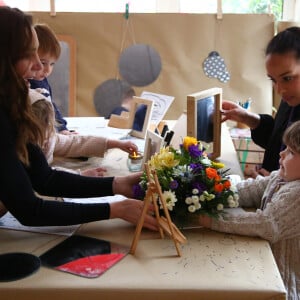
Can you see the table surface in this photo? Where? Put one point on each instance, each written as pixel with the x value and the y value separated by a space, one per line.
pixel 212 266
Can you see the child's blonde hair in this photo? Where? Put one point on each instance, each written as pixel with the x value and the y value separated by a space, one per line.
pixel 291 136
pixel 44 112
pixel 48 42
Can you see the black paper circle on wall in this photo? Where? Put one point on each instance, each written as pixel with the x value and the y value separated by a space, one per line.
pixel 18 265
pixel 108 95
pixel 214 67
pixel 140 65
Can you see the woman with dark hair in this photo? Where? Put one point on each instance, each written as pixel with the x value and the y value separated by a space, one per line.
pixel 283 69
pixel 24 168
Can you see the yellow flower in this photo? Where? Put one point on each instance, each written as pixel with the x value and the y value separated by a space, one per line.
pixel 217 165
pixel 188 141
pixel 163 159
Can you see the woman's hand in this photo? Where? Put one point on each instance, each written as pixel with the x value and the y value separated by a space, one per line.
pixel 131 210
pixel 234 112
pixel 124 185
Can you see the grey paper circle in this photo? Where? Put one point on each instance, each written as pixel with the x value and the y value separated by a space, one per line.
pixel 108 95
pixel 140 65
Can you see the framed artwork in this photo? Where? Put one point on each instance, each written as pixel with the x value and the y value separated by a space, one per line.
pixel 141 112
pixel 153 143
pixel 204 119
pixel 137 118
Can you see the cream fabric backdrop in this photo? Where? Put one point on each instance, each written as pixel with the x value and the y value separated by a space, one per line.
pixel 183 41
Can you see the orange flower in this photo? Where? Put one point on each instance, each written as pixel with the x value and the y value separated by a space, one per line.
pixel 218 178
pixel 211 173
pixel 218 187
pixel 227 184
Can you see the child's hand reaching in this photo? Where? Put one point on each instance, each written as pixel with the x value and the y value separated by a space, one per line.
pixel 68 132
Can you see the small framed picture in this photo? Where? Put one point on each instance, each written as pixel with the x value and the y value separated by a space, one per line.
pixel 142 112
pixel 153 144
pixel 204 119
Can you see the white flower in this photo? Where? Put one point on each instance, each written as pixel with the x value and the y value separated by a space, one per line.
pixel 229 198
pixel 170 199
pixel 197 205
pixel 195 199
pixel 236 197
pixel 220 207
pixel 192 208
pixel 202 198
pixel 188 200
pixel 231 203
pixel 206 161
pixel 195 191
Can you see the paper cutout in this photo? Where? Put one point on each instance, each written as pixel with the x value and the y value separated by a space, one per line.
pixel 140 64
pixel 84 256
pixel 214 67
pixel 18 265
pixel 109 95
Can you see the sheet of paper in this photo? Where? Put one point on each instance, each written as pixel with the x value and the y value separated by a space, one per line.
pixel 161 105
pixel 8 221
pixel 96 126
pixel 108 199
pixel 74 123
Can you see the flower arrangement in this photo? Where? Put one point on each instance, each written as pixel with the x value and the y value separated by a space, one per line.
pixel 191 183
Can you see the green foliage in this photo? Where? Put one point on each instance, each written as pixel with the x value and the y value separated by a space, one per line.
pixel 254 6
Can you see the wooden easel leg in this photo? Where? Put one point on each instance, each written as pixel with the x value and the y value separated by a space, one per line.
pixel 140 224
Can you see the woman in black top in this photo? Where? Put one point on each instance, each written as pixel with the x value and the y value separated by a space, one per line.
pixel 24 168
pixel 283 68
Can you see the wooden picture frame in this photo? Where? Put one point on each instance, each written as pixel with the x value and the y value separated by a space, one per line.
pixel 204 119
pixel 136 103
pixel 153 143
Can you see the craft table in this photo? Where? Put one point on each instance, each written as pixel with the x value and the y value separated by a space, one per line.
pixel 212 266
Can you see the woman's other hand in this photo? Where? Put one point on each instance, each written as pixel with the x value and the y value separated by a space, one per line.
pixel 131 210
pixel 123 185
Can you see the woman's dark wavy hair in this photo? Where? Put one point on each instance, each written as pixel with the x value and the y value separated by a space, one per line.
pixel 15 44
pixel 285 41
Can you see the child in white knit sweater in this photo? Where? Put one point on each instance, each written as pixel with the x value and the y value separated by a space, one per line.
pixel 276 218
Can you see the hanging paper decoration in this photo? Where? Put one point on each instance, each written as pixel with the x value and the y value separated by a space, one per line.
pixel 109 95
pixel 214 67
pixel 140 64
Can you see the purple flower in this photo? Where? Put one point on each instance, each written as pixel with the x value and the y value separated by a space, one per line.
pixel 195 151
pixel 173 185
pixel 196 167
pixel 138 192
pixel 201 187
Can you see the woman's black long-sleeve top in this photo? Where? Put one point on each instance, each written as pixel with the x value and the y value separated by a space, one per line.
pixel 269 133
pixel 18 183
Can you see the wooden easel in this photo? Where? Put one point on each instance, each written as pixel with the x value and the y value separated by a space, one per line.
pixel 165 222
pixel 124 121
